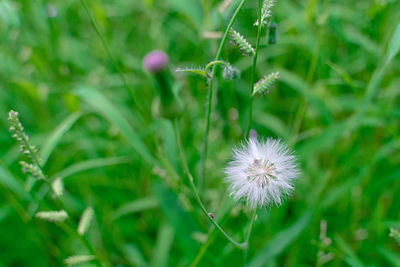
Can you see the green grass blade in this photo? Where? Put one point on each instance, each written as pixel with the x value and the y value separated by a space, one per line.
pixel 351 257
pixel 394 45
pixel 8 180
pixel 134 255
pixel 163 246
pixel 390 256
pixel 136 206
pixel 106 109
pixel 91 164
pixel 178 218
pixel 55 137
pixel 280 241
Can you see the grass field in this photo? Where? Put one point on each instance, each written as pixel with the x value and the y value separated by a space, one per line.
pixel 73 70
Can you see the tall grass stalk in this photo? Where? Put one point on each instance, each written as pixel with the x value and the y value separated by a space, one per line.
pixel 211 92
pixel 254 70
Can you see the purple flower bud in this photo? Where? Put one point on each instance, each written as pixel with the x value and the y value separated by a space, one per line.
pixel 253 134
pixel 155 61
pixel 51 11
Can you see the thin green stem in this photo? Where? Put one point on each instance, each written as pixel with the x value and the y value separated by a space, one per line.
pixel 108 51
pixel 194 190
pixel 253 218
pixel 215 62
pixel 210 92
pixel 253 70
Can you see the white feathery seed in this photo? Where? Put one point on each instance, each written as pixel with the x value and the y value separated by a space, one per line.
pixel 261 172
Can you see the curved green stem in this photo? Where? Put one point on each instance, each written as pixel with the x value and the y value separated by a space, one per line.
pixel 194 190
pixel 253 70
pixel 215 62
pixel 210 91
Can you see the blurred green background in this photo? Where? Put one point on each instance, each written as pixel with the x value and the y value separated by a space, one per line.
pixel 337 105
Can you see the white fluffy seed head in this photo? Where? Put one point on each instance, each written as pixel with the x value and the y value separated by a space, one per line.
pixel 261 172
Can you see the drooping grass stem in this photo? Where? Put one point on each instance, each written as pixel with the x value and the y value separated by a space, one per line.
pixel 194 190
pixel 211 91
pixel 253 71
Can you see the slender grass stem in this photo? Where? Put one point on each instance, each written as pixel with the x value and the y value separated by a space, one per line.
pixel 253 70
pixel 253 218
pixel 108 51
pixel 194 190
pixel 210 93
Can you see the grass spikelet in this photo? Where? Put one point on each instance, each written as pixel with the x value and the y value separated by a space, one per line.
pixel 85 221
pixel 34 170
pixel 266 12
pixel 229 72
pixel 265 84
pixel 395 234
pixel 241 42
pixel 78 259
pixel 58 187
pixel 52 216
pixel 18 134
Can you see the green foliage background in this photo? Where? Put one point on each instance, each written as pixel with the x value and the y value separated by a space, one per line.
pixel 337 105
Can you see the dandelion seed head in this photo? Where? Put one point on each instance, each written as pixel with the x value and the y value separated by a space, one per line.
pixel 261 172
pixel 155 61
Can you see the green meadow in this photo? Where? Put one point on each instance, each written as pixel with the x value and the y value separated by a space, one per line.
pixel 73 71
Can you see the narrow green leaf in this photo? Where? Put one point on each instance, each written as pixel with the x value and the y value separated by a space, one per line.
pixel 134 256
pixel 4 212
pixel 280 241
pixel 271 122
pixel 136 206
pixel 162 248
pixel 300 85
pixel 9 13
pixel 8 180
pixel 390 256
pixel 55 137
pixel 189 8
pixel 178 218
pixel 91 164
pixel 351 257
pixel 394 45
pixel 169 143
pixel 324 140
pixel 107 109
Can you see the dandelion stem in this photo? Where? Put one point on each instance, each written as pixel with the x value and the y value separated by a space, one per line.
pixel 108 51
pixel 253 70
pixel 210 93
pixel 194 190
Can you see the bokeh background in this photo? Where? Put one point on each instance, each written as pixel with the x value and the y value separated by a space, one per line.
pixel 337 105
